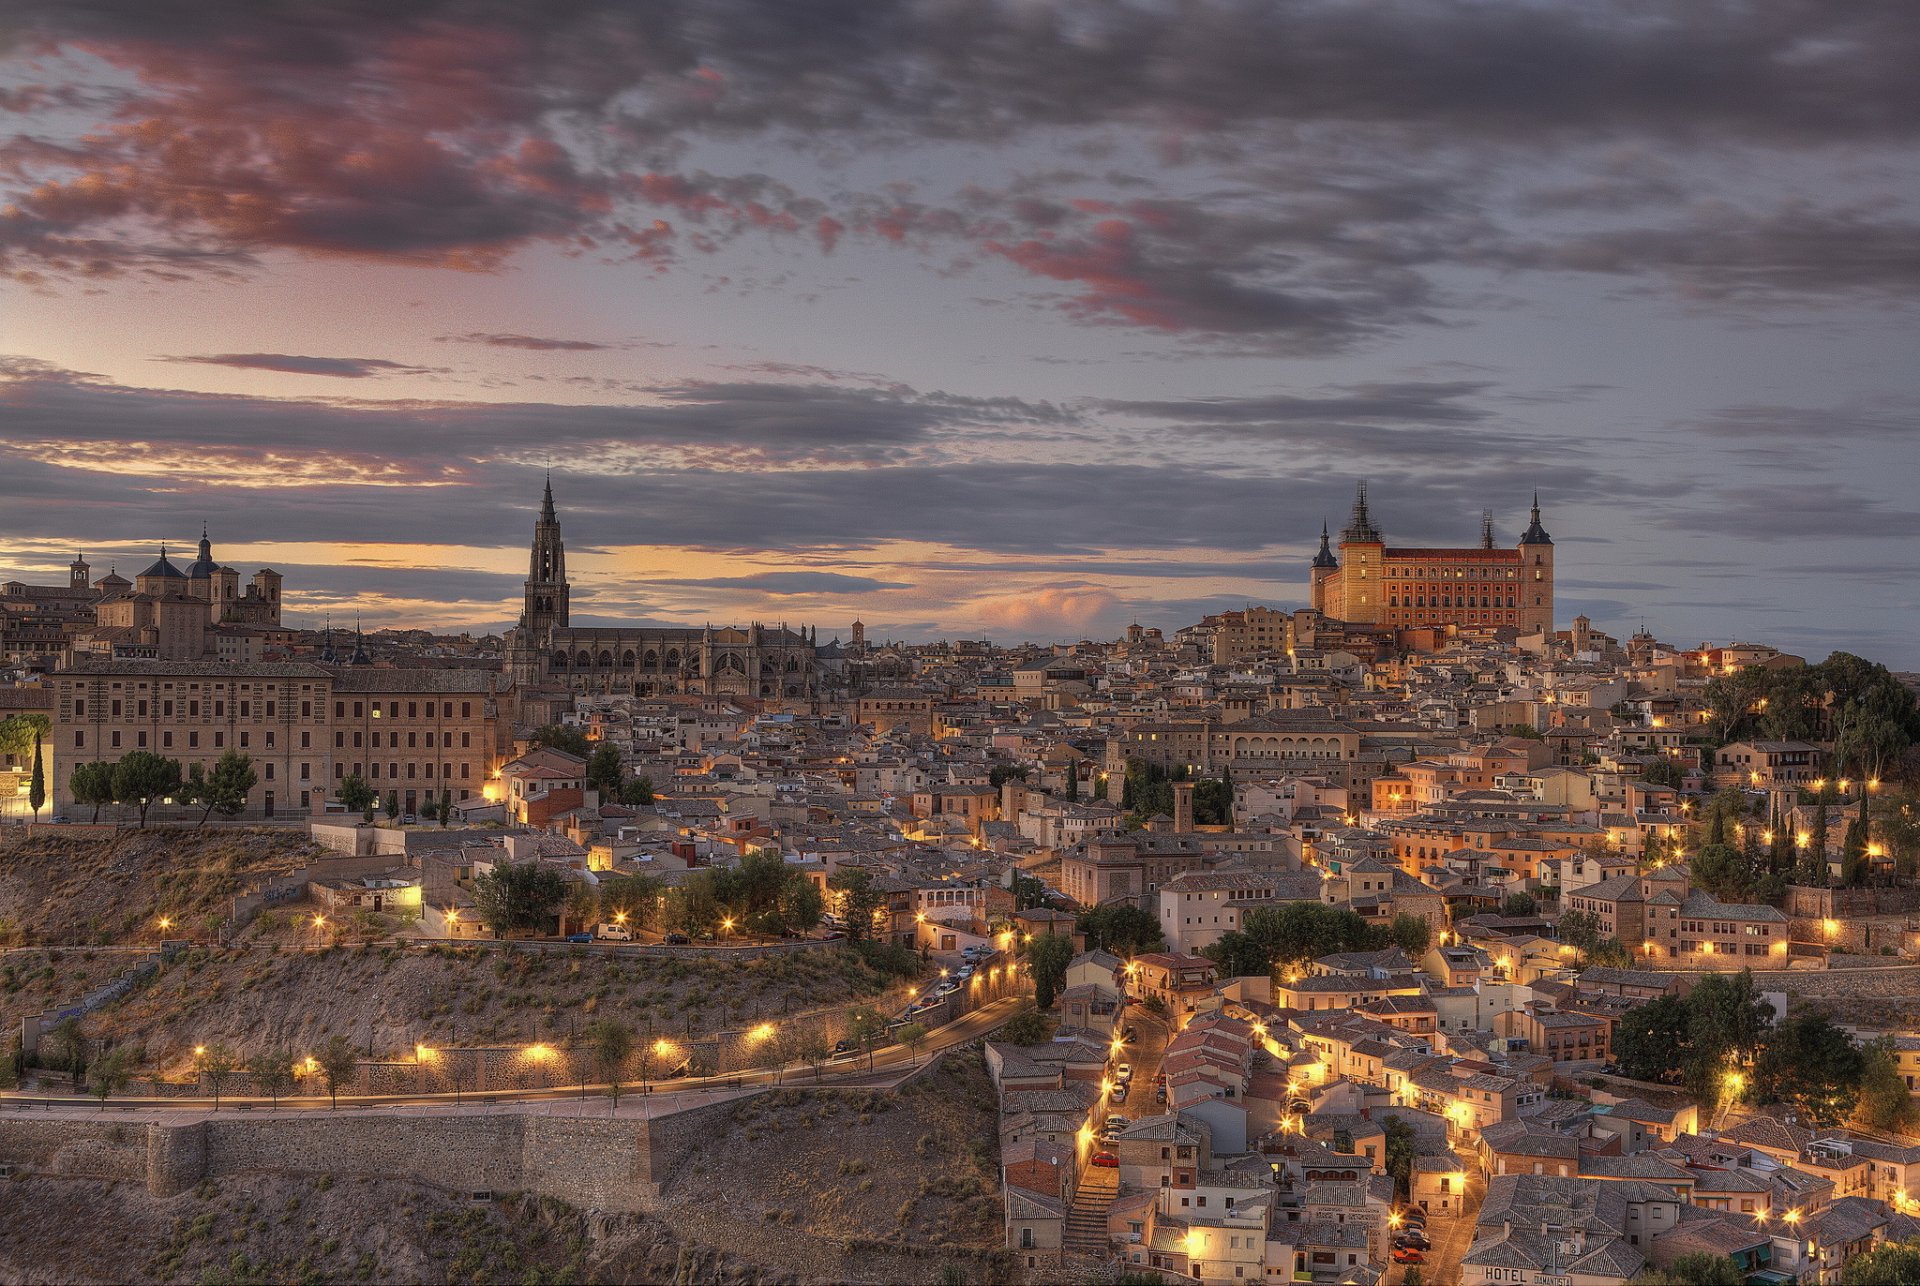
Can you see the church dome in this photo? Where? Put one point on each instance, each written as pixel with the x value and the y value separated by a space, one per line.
pixel 163 569
pixel 203 567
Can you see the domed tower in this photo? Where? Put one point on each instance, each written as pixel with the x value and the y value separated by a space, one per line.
pixel 1324 566
pixel 1363 553
pixel 1536 575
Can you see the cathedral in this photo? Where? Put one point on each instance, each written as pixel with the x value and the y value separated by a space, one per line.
pixel 546 651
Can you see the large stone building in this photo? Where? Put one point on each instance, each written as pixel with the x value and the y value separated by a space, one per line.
pixel 409 733
pixel 1373 583
pixel 166 613
pixel 546 653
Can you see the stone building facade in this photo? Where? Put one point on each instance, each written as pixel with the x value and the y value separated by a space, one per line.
pixel 1373 583
pixel 409 733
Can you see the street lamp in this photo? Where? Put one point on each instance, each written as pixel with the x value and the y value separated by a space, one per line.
pixel 166 922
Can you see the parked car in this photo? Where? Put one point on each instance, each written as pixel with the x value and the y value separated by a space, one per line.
pixel 1412 1237
pixel 1413 1217
pixel 1409 1255
pixel 963 973
pixel 1127 1034
pixel 842 1046
pixel 1119 1094
pixel 1117 1123
pixel 579 937
pixel 1123 1073
pixel 1106 1160
pixel 678 940
pixel 1160 1094
pixel 614 932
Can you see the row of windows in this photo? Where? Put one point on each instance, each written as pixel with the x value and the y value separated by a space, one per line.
pixel 165 709
pixel 1446 600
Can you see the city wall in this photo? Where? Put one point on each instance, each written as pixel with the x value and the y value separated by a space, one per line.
pixel 614 1164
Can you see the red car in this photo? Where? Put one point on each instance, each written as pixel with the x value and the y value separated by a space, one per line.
pixel 1409 1255
pixel 1106 1160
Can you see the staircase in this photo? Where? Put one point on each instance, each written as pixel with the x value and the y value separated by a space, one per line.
pixel 1086 1232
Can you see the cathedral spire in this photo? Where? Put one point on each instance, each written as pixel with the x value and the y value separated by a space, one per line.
pixel 1360 528
pixel 1535 533
pixel 546 505
pixel 1486 529
pixel 1325 557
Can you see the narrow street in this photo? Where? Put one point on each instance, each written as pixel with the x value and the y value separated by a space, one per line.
pixel 1451 1235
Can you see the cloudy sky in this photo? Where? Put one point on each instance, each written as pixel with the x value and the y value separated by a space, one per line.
pixel 968 317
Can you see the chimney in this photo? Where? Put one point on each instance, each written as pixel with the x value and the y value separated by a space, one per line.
pixel 1182 807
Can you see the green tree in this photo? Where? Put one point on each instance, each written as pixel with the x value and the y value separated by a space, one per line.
pixel 1235 955
pixel 272 1071
pixel 358 796
pixel 859 901
pixel 913 1035
pixel 21 732
pixel 1301 931
pixel 215 1064
pixel 1213 801
pixel 1122 929
pixel 1073 783
pixel 1812 1066
pixel 1662 772
pixel 1725 1021
pixel 1028 1026
pixel 631 899
pixel 225 789
pixel 338 1062
pixel 1885 1101
pixel 110 1074
pixel 694 906
pixel 1650 1040
pixel 1519 905
pixel 143 778
pixel 611 1043
pixel 1000 774
pixel 604 771
pixel 570 741
pixel 1029 891
pixel 37 783
pixel 518 897
pixel 67 1043
pixel 1581 930
pixel 393 805
pixel 1400 1151
pixel 1412 934
pixel 867 1029
pixel 636 792
pixel 1048 956
pixel 91 785
pixel 1695 1268
pixel 1813 859
pixel 1891 1263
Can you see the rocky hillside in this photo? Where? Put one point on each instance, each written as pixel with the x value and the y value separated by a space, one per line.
pixel 74 890
pixel 259 997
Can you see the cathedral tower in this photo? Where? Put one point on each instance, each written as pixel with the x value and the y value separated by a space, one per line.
pixel 547 591
pixel 1536 575
pixel 1362 563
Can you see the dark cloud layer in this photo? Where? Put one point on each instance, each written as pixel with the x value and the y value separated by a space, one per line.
pixel 352 368
pixel 1345 155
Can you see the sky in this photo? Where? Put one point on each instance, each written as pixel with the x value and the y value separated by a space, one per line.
pixel 968 318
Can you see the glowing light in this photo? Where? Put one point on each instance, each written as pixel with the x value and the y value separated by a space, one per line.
pixel 663 1048
pixel 423 1054
pixel 166 922
pixel 199 1051
pixel 1829 927
pixel 619 917
pixel 319 921
pixel 539 1052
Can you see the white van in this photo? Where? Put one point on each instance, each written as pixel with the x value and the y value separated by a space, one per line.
pixel 612 932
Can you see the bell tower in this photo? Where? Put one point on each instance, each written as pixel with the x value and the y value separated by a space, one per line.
pixel 547 592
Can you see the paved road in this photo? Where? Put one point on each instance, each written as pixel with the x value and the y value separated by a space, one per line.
pixel 1452 1237
pixel 891 1059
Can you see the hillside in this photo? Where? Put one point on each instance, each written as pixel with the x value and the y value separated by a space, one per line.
pixel 255 998
pixel 70 890
pixel 856 1186
pixel 33 982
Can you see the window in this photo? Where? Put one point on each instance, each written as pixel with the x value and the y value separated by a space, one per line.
pixel 80 740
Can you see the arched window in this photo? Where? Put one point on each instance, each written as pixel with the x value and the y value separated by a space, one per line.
pixel 673 657
pixel 606 657
pixel 583 660
pixel 626 659
pixel 559 660
pixel 650 660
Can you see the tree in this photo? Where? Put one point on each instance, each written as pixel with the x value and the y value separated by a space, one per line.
pixel 859 901
pixel 1662 772
pixel 611 1044
pixel 1725 1021
pixel 66 1041
pixel 694 906
pixel 215 1063
pixel 1649 1042
pixel 604 771
pixel 21 732
pixel 1695 1268
pixel 1412 934
pixel 1885 1101
pixel 582 906
pixel 1400 1150
pixel 37 783
pixel 110 1074
pixel 1122 929
pixel 1073 783
pixel 1000 774
pixel 637 792
pixel 913 1035
pixel 1236 955
pixel 358 796
pixel 142 777
pixel 393 805
pixel 517 897
pixel 338 1062
pixel 1300 931
pixel 272 1071
pixel 801 904
pixel 91 785
pixel 1581 930
pixel 1519 905
pixel 1029 891
pixel 224 790
pixel 1891 1263
pixel 1048 956
pixel 446 808
pixel 1028 1026
pixel 1810 1064
pixel 631 899
pixel 570 741
pixel 867 1029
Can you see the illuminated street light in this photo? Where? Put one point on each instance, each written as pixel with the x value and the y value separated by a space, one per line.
pixel 166 922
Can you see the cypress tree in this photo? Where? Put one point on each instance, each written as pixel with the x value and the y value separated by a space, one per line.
pixel 37 786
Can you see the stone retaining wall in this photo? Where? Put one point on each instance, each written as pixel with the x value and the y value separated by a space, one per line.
pixel 606 1163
